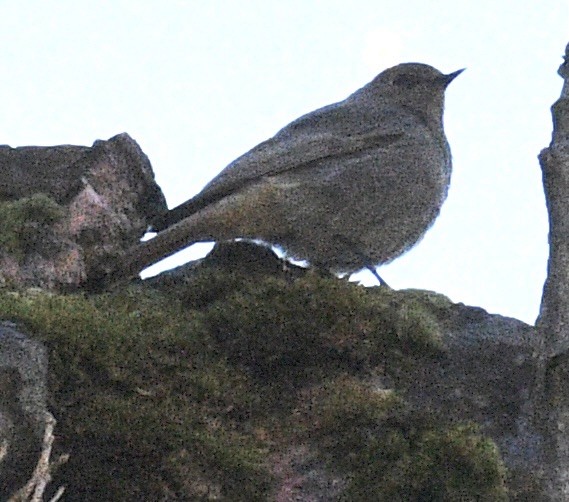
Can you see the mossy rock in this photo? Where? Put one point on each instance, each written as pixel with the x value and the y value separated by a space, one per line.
pixel 142 399
pixel 307 329
pixel 25 222
pixel 386 451
pixel 176 396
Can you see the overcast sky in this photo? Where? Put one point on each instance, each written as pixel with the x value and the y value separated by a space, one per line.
pixel 198 83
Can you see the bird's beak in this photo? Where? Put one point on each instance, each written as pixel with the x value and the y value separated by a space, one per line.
pixel 451 76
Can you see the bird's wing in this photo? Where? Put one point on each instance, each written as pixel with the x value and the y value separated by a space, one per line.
pixel 332 131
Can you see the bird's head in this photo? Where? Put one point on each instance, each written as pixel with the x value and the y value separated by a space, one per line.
pixel 413 85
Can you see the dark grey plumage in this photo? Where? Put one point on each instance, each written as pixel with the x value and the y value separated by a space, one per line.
pixel 346 186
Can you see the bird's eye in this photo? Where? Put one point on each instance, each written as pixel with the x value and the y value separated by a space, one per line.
pixel 408 81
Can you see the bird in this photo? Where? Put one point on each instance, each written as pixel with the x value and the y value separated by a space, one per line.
pixel 349 186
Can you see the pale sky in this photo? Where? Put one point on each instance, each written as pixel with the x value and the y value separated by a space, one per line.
pixel 198 83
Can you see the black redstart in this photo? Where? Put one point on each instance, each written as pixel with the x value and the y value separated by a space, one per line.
pixel 350 185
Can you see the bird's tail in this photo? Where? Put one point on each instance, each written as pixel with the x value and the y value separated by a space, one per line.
pixel 173 216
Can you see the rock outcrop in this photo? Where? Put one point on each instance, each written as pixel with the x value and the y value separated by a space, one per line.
pixel 239 376
pixel 243 378
pixel 23 405
pixel 481 371
pixel 67 211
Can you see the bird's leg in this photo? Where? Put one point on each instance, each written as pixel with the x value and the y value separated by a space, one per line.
pixel 373 270
pixel 367 261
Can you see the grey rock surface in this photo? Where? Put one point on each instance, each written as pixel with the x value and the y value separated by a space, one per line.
pixel 103 198
pixel 23 404
pixel 485 376
pixel 55 170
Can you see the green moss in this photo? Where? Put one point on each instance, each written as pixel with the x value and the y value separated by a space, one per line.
pixel 24 221
pixel 433 301
pixel 212 285
pixel 383 448
pixel 161 395
pixel 314 327
pixel 413 327
pixel 135 384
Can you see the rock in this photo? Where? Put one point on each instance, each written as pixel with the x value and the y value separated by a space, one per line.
pixel 486 377
pixel 299 476
pixel 249 258
pixel 299 385
pixel 482 373
pixel 68 211
pixel 23 394
pixel 55 170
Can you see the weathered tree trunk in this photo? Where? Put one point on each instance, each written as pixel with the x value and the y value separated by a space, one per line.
pixel 552 405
